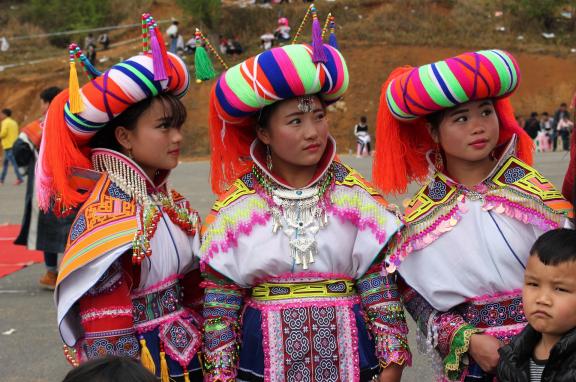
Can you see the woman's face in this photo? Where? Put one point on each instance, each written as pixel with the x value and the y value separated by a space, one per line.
pixel 153 143
pixel 296 138
pixel 468 132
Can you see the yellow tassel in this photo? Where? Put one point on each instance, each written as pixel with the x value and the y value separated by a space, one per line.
pixel 164 376
pixel 146 357
pixel 76 105
pixel 186 377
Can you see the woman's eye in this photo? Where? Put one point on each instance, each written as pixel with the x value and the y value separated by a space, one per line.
pixel 320 116
pixel 461 119
pixel 294 121
pixel 563 290
pixel 532 284
pixel 486 113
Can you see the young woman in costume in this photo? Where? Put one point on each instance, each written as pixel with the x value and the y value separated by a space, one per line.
pixel 291 250
pixel 469 229
pixel 128 279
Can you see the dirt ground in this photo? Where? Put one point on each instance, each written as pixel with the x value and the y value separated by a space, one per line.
pixel 546 81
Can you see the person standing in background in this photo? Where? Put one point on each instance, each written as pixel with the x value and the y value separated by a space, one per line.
pixel 532 125
pixel 362 138
pixel 172 33
pixel 562 110
pixel 8 135
pixel 40 231
pixel 565 127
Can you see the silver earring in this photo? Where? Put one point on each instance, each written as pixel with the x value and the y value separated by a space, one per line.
pixel 268 158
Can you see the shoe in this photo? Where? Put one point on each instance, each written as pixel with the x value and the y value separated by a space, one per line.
pixel 48 281
pixel 18 182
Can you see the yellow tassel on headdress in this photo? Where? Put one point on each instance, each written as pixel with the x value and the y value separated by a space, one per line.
pixel 164 376
pixel 146 357
pixel 76 105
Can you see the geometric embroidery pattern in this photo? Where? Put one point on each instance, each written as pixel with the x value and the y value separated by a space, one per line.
pixel 108 210
pixel 517 174
pixel 310 343
pixel 155 305
pixel 117 342
pixel 115 192
pixel 78 227
pixel 436 192
pixel 499 312
pixel 340 171
pixel 181 340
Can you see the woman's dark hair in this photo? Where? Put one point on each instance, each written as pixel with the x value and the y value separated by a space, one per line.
pixel 263 118
pixel 110 369
pixel 555 247
pixel 435 119
pixel 174 110
pixel 363 119
pixel 48 94
pixel 7 112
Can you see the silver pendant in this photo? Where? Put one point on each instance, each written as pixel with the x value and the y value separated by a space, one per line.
pixel 299 215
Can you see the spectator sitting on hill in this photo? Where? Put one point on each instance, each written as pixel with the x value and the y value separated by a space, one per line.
pixel 234 46
pixel 104 40
pixel 223 44
pixel 89 40
pixel 282 33
pixel 267 41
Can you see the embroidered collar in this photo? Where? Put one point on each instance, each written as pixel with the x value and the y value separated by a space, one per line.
pixel 127 174
pixel 257 153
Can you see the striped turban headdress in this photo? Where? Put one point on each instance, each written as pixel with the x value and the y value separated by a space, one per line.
pixel 245 89
pixel 410 94
pixel 77 114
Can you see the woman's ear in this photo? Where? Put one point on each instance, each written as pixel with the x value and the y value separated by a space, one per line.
pixel 124 137
pixel 263 135
pixel 433 133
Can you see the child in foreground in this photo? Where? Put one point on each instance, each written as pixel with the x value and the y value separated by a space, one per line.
pixel 546 349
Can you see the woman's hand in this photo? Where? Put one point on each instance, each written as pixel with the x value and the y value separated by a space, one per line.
pixel 484 350
pixel 393 373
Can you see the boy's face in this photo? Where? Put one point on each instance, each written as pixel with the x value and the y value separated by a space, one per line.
pixel 549 296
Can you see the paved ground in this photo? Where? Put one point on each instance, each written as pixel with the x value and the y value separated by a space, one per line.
pixel 32 353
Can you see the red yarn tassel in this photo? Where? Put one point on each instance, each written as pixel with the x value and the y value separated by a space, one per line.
pixel 509 126
pixel 60 153
pixel 230 152
pixel 401 147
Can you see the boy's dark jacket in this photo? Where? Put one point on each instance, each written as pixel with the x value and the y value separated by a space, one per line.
pixel 514 365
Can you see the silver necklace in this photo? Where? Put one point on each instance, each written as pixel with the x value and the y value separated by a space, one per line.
pixel 299 214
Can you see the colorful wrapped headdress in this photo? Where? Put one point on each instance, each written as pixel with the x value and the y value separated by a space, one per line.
pixel 410 94
pixel 77 114
pixel 277 74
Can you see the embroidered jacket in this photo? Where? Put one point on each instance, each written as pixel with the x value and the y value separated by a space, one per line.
pixel 256 254
pixel 129 276
pixel 462 254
